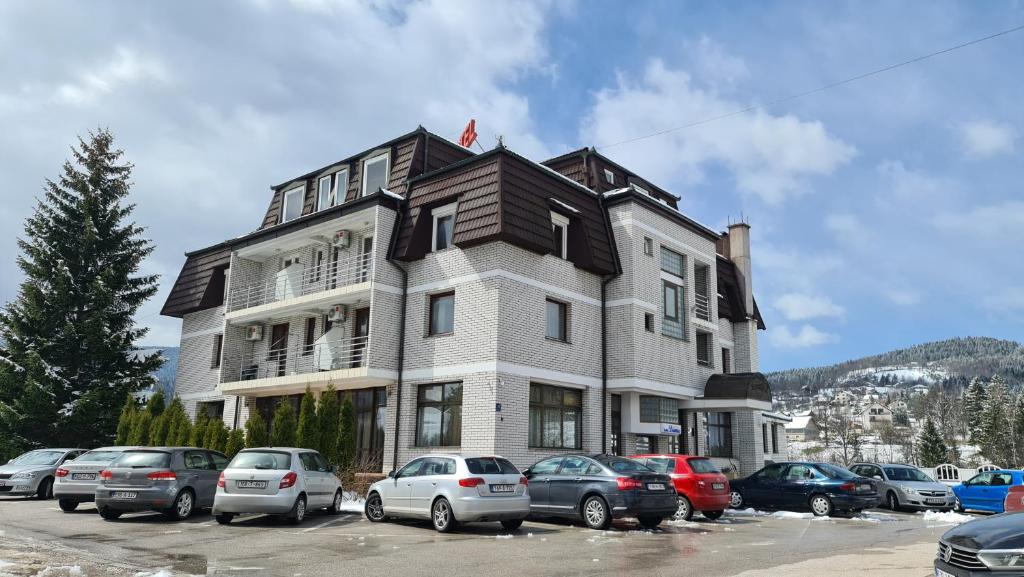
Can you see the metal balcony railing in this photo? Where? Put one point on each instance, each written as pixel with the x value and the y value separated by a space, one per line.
pixel 702 306
pixel 296 280
pixel 348 353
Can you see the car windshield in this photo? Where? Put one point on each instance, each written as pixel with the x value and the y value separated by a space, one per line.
pixel 906 474
pixel 39 458
pixel 98 457
pixel 702 466
pixel 491 466
pixel 620 465
pixel 834 472
pixel 143 460
pixel 269 460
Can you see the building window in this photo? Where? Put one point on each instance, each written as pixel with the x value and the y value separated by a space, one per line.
pixel 609 176
pixel 371 409
pixel 764 438
pixel 659 410
pixel 442 313
pixel 310 336
pixel 375 173
pixel 218 345
pixel 560 235
pixel 616 424
pixel 672 305
pixel 672 262
pixel 701 292
pixel 720 434
pixel 291 208
pixel 444 226
pixel 704 348
pixel 648 246
pixel 557 320
pixel 323 194
pixel 555 415
pixel 328 195
pixel 439 415
pixel 649 322
pixel 646 444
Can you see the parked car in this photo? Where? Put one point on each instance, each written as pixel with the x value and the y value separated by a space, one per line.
pixel 822 487
pixel 986 491
pixel 599 488
pixel 76 480
pixel 1014 502
pixel 988 546
pixel 452 489
pixel 277 481
pixel 906 486
pixel 172 480
pixel 32 473
pixel 700 486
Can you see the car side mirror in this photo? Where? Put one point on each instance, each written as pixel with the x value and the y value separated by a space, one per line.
pixel 333 468
pixel 391 474
pixel 527 473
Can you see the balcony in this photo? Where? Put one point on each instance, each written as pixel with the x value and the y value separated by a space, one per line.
pixel 702 307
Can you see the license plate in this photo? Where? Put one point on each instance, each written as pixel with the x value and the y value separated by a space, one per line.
pixel 124 495
pixel 718 486
pixel 251 484
pixel 941 573
pixel 655 486
pixel 83 476
pixel 864 488
pixel 3 483
pixel 935 501
pixel 503 488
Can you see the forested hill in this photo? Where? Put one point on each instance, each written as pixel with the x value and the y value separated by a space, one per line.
pixel 925 363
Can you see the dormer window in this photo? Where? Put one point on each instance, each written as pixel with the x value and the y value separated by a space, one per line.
pixel 331 189
pixel 291 208
pixel 444 226
pixel 375 173
pixel 560 235
pixel 609 176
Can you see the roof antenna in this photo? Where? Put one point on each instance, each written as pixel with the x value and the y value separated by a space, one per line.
pixel 501 141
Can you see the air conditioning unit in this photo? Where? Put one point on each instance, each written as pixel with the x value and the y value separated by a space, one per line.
pixel 343 238
pixel 337 314
pixel 254 333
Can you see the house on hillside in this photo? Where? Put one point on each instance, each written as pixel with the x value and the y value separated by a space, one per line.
pixel 874 416
pixel 486 303
pixel 802 428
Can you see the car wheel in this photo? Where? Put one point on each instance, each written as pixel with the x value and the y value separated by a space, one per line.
pixel 957 505
pixel 67 505
pixel 712 515
pixel 109 514
pixel 893 501
pixel 821 506
pixel 298 513
pixel 735 499
pixel 374 508
pixel 442 516
pixel 649 522
pixel 45 489
pixel 512 524
pixel 224 518
pixel 182 507
pixel 595 513
pixel 684 509
pixel 335 507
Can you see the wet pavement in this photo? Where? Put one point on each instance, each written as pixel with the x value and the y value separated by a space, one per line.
pixel 36 538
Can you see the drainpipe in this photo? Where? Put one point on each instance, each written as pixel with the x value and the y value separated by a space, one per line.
pixel 401 325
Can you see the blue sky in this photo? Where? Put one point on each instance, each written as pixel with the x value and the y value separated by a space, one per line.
pixel 885 212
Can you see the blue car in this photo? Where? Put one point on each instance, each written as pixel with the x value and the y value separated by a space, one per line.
pixel 821 487
pixel 986 491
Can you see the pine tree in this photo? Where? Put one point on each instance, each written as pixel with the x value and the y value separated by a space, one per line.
pixel 931 449
pixel 70 337
pixel 1018 433
pixel 329 415
pixel 282 432
pixel 210 435
pixel 157 403
pixel 183 431
pixel 199 429
pixel 236 442
pixel 158 431
pixel 140 429
pixel 996 424
pixel 974 406
pixel 347 435
pixel 174 414
pixel 217 435
pixel 125 421
pixel 256 431
pixel 307 435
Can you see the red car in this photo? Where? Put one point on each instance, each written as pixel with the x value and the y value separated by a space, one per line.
pixel 699 483
pixel 1014 502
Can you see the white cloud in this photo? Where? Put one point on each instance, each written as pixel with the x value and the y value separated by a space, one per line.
pixel 849 230
pixel 769 156
pixel 982 138
pixel 1005 300
pixel 783 337
pixel 903 185
pixel 125 67
pixel 1003 221
pixel 800 307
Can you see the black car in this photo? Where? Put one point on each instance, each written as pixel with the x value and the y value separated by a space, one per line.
pixel 599 488
pixel 989 546
pixel 821 487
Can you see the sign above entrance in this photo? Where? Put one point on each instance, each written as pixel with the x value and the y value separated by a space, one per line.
pixel 669 429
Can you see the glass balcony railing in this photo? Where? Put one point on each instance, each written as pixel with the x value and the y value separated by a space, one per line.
pixel 297 280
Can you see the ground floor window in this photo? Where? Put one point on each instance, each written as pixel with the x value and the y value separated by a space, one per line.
pixel 371 410
pixel 212 409
pixel 659 410
pixel 672 444
pixel 720 434
pixel 439 415
pixel 616 424
pixel 267 405
pixel 555 417
pixel 646 444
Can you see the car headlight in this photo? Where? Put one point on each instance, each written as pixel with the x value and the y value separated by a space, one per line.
pixel 1002 558
pixel 23 475
pixel 909 491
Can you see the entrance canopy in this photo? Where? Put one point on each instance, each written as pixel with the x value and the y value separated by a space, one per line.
pixel 735 390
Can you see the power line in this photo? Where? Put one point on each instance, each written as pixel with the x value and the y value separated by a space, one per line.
pixel 816 90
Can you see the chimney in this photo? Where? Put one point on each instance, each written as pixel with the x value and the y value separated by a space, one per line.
pixel 739 254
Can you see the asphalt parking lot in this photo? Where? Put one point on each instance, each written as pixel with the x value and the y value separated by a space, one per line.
pixel 36 538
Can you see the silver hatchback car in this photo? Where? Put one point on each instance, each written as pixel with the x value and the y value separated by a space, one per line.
pixel 33 472
pixel 906 486
pixel 277 481
pixel 76 480
pixel 452 489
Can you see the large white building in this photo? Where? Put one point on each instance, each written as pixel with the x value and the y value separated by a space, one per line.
pixel 484 302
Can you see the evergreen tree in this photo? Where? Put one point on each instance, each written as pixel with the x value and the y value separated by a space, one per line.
pixel 282 433
pixel 199 429
pixel 140 429
pixel 235 443
pixel 307 435
pixel 125 421
pixel 70 337
pixel 210 435
pixel 347 435
pixel 174 414
pixel 974 406
pixel 931 449
pixel 158 431
pixel 217 435
pixel 1018 433
pixel 996 424
pixel 329 415
pixel 256 431
pixel 183 431
pixel 157 403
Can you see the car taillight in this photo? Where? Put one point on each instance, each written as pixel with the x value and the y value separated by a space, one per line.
pixel 288 480
pixel 162 476
pixel 104 474
pixel 220 481
pixel 848 487
pixel 524 481
pixel 628 484
pixel 61 472
pixel 471 482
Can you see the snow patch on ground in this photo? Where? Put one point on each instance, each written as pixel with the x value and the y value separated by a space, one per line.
pixel 791 515
pixel 351 502
pixel 945 517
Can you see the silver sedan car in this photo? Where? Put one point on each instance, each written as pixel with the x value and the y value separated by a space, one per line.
pixel 277 481
pixel 33 472
pixel 451 489
pixel 906 486
pixel 76 480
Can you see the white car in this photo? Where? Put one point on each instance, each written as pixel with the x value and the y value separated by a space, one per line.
pixel 33 472
pixel 76 480
pixel 452 489
pixel 276 481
